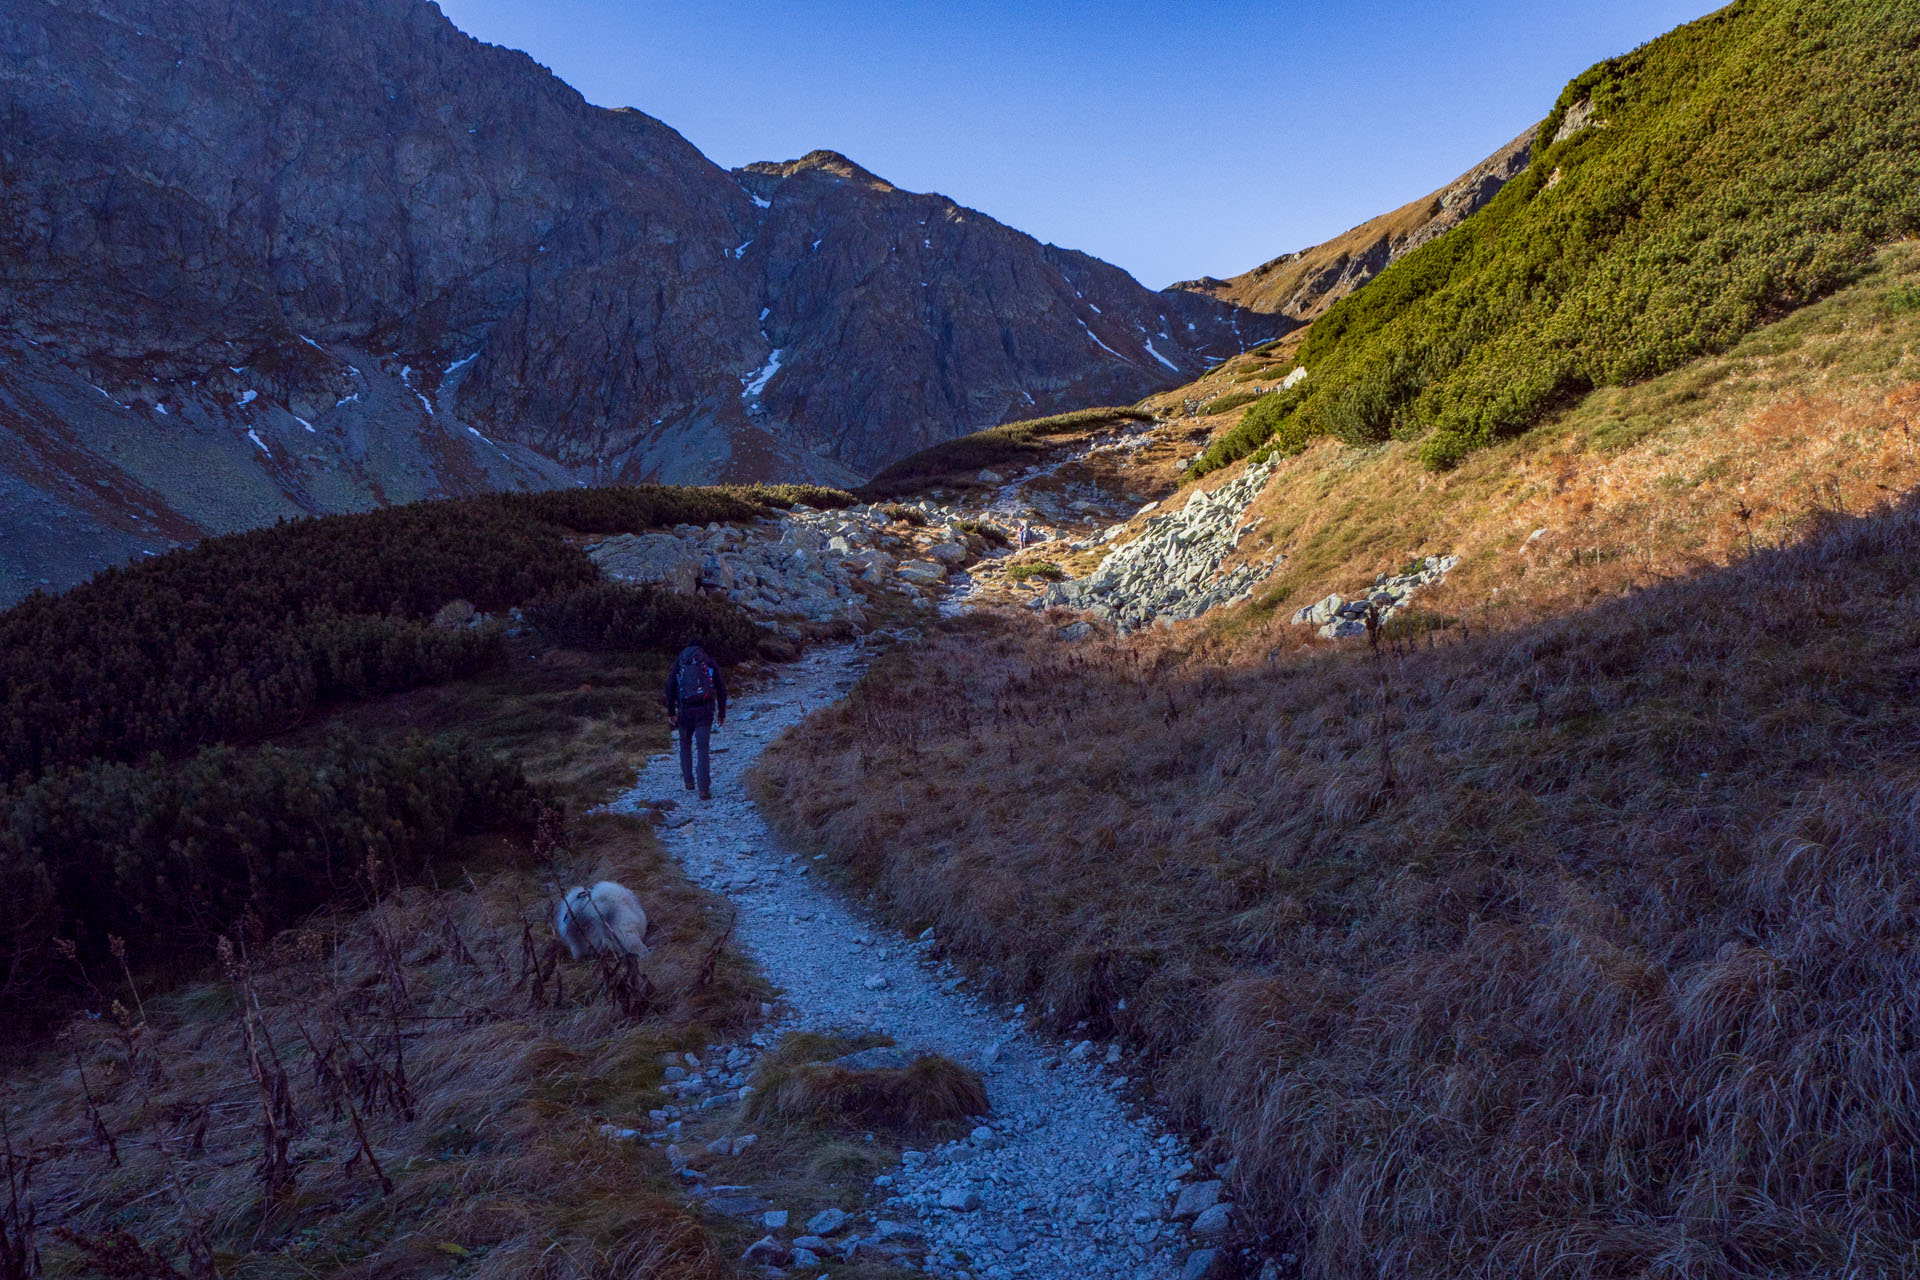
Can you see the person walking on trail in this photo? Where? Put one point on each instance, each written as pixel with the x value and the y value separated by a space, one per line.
pixel 696 706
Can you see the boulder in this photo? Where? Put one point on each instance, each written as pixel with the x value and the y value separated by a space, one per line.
pixel 1196 1198
pixel 766 1250
pixel 1213 1223
pixel 1320 614
pixel 827 1222
pixel 1202 1264
pixel 948 553
pixel 644 558
pixel 921 572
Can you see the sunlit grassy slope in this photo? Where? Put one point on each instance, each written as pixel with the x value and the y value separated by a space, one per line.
pixel 1683 194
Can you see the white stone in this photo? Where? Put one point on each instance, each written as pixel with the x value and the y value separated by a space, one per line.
pixel 826 1222
pixel 924 572
pixel 1213 1222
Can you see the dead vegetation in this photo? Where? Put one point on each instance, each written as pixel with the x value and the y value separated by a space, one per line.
pixel 929 1097
pixel 413 1086
pixel 1581 949
pixel 1813 416
pixel 391 1091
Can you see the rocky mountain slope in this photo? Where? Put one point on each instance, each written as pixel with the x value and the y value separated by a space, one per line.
pixel 257 261
pixel 1302 284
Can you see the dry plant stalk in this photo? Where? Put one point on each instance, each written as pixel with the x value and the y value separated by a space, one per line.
pixel 280 1121
pixel 1615 978
pixel 19 1253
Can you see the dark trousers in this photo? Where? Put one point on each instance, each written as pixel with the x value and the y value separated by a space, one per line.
pixel 696 726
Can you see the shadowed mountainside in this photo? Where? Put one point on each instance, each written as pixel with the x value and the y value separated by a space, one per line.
pixel 1570 950
pixel 269 260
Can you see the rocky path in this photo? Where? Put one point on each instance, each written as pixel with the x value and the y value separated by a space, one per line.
pixel 1065 1181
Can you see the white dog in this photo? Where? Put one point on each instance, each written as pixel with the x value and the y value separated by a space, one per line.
pixel 607 918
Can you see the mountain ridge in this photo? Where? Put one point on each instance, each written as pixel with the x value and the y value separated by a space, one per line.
pixel 1304 283
pixel 225 224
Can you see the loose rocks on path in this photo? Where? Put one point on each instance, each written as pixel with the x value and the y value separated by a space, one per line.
pixel 1061 1183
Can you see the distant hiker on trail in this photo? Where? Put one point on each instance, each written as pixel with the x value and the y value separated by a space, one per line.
pixel 696 705
pixel 1025 536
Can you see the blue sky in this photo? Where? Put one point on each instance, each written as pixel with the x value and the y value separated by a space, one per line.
pixel 1174 138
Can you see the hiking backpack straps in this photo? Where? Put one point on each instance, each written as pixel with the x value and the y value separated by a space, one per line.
pixel 693 682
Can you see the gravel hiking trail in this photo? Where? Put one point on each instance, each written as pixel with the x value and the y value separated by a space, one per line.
pixel 1066 1180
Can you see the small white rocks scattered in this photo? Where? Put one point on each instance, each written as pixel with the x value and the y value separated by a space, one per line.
pixel 1059 1183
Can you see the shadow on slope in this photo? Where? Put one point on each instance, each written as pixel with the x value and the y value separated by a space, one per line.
pixel 1583 950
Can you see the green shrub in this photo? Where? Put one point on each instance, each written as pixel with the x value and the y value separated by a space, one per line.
pixel 124 817
pixel 1271 418
pixel 1228 403
pixel 1738 168
pixel 902 512
pixel 1044 569
pixel 245 635
pixel 952 462
pixel 609 616
pixel 167 855
pixel 1904 299
pixel 984 529
pixel 783 496
pixel 248 634
pixel 632 508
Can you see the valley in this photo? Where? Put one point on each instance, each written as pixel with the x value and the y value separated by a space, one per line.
pixel 1397 764
pixel 265 262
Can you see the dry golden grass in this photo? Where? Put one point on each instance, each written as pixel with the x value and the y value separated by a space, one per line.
pixel 1581 949
pixel 1815 414
pixel 444 1025
pixel 932 1097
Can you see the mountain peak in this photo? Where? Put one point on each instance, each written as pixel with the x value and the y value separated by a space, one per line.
pixel 827 161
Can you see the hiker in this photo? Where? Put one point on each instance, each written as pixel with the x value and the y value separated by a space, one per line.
pixel 696 705
pixel 1025 535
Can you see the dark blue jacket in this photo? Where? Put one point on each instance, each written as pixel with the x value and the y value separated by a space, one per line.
pixel 673 687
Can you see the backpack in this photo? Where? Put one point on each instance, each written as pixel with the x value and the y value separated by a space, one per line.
pixel 693 682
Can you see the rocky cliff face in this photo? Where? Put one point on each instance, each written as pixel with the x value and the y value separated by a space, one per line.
pixel 439 268
pixel 1303 284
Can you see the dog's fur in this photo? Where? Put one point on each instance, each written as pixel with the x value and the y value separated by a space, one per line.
pixel 607 918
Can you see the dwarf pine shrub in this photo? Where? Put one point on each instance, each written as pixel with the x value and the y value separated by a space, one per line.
pixel 1735 169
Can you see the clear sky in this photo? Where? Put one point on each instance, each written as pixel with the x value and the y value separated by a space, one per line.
pixel 1173 137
